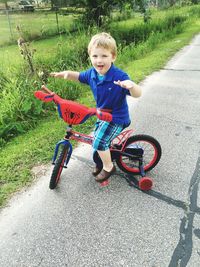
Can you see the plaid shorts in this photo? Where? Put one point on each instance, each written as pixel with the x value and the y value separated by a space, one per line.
pixel 104 133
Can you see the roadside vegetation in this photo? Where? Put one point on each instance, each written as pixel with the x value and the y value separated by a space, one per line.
pixel 45 25
pixel 30 129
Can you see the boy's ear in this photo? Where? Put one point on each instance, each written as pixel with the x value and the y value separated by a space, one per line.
pixel 114 58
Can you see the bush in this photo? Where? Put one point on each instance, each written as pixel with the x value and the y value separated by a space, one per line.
pixel 125 34
pixel 19 109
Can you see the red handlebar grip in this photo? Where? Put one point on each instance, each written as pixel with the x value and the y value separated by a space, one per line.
pixel 104 116
pixel 43 96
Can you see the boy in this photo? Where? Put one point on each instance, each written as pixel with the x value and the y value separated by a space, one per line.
pixel 110 86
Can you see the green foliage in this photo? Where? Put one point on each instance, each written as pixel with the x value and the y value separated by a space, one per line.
pixel 147 16
pixel 3 81
pixel 44 32
pixel 35 26
pixel 195 11
pixel 96 12
pixel 69 52
pixel 132 52
pixel 126 12
pixel 125 34
pixel 20 111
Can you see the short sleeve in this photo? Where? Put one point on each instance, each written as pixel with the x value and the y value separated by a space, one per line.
pixel 85 76
pixel 125 77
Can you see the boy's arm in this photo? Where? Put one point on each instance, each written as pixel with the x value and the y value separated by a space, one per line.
pixel 135 89
pixel 68 75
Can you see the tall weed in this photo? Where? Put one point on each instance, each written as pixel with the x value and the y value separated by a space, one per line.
pixel 18 109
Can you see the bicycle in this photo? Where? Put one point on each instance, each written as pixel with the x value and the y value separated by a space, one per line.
pixel 133 154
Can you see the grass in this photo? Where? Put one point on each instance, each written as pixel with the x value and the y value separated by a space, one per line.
pixel 10 55
pixel 155 15
pixel 44 24
pixel 36 147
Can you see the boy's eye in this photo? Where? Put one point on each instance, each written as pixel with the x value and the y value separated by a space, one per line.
pixel 94 55
pixel 105 56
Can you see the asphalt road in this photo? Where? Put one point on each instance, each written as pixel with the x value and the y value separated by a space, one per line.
pixel 80 224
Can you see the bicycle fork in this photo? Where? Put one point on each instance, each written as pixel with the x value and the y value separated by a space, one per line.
pixel 64 143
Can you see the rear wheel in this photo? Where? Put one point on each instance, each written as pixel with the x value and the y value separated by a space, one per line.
pixel 140 146
pixel 57 170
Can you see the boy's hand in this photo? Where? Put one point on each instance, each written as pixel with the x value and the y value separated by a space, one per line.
pixel 62 74
pixel 127 84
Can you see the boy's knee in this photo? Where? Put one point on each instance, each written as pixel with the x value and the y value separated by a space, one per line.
pixel 99 144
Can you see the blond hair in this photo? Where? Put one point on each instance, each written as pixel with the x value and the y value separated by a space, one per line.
pixel 104 40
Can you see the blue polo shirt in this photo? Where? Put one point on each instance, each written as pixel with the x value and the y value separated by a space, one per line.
pixel 107 94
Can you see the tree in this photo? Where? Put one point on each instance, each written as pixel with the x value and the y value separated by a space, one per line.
pixel 96 11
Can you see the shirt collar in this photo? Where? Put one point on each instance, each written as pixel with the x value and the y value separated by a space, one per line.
pixel 108 75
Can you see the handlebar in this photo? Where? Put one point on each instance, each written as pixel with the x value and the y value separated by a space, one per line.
pixel 70 111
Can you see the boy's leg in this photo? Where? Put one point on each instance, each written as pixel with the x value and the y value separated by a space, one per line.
pixel 108 167
pixel 104 133
pixel 106 159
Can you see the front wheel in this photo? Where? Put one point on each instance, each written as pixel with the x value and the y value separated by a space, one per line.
pixel 143 148
pixel 57 170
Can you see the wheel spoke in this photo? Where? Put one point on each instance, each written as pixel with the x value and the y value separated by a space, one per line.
pixel 150 157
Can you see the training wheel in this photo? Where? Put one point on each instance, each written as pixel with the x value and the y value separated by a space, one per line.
pixel 145 183
pixel 104 183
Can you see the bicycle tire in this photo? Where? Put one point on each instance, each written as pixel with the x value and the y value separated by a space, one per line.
pixel 143 141
pixel 57 170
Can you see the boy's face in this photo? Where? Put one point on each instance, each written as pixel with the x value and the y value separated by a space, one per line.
pixel 101 59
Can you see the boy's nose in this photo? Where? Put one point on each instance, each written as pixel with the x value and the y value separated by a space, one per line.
pixel 99 59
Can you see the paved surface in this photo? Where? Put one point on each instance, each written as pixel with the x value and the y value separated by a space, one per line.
pixel 80 224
